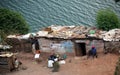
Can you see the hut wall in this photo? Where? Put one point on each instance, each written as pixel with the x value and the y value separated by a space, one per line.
pixel 61 46
pixel 19 45
pixel 68 46
pixel 112 47
pixel 99 44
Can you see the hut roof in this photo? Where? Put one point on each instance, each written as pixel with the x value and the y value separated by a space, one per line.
pixel 70 32
pixel 77 32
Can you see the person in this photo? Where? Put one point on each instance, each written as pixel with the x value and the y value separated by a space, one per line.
pixel 50 63
pixel 53 57
pixel 37 56
pixel 94 52
pixel 35 44
pixel 36 49
pixel 17 63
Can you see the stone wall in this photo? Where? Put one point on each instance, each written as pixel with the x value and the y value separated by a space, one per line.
pixel 112 47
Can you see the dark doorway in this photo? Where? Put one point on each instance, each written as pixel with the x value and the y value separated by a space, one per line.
pixel 80 49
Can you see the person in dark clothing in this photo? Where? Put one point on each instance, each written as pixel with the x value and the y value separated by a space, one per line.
pixel 94 52
pixel 35 44
pixel 52 57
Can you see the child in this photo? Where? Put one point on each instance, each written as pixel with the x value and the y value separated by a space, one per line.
pixel 17 63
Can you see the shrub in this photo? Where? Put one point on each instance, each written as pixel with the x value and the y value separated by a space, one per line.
pixel 56 67
pixel 12 22
pixel 117 0
pixel 2 36
pixel 117 70
pixel 107 19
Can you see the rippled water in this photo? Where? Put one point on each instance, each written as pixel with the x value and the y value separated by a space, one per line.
pixel 42 13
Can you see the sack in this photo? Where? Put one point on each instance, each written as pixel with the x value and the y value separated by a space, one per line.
pixel 37 56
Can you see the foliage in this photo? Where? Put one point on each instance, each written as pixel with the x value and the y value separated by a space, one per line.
pixel 117 70
pixel 107 19
pixel 12 22
pixel 117 0
pixel 2 36
pixel 56 66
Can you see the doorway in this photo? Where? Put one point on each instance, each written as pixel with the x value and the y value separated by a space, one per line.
pixel 80 49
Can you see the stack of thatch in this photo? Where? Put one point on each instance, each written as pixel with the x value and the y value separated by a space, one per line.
pixel 72 32
pixel 112 35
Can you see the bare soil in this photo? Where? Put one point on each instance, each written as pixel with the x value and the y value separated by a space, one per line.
pixel 103 65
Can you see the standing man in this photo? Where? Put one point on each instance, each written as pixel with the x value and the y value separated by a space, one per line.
pixel 35 45
pixel 37 50
pixel 94 52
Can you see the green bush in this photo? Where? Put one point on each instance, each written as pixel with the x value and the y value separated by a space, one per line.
pixel 107 19
pixel 117 70
pixel 12 22
pixel 2 36
pixel 117 0
pixel 56 66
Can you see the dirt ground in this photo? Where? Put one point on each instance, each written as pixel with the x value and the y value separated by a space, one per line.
pixel 103 65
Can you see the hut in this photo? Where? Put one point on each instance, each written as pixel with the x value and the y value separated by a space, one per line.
pixel 112 38
pixel 73 40
pixel 6 63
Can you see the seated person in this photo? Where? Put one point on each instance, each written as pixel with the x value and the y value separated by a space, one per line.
pixel 52 57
